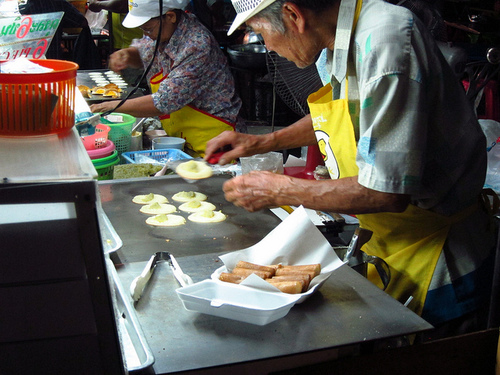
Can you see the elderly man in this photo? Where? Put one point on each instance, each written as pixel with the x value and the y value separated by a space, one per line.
pixel 402 145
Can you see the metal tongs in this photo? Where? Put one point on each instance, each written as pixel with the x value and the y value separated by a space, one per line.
pixel 181 277
pixel 139 283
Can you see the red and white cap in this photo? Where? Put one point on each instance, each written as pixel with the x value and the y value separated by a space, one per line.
pixel 246 9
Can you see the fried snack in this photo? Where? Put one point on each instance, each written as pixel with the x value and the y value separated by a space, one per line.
pixel 84 90
pixel 304 279
pixel 111 93
pixel 283 271
pixel 244 272
pixel 98 90
pixel 113 86
pixel 290 287
pixel 253 266
pixel 288 279
pixel 275 266
pixel 316 268
pixel 231 278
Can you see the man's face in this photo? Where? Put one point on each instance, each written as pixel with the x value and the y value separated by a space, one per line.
pixel 151 27
pixel 290 45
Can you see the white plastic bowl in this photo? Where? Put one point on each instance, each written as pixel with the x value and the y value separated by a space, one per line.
pixel 236 302
pixel 161 143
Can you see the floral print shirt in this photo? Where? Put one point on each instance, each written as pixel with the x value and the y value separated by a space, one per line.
pixel 197 69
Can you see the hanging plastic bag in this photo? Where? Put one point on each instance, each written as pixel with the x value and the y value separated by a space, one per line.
pixel 96 20
pixel 491 129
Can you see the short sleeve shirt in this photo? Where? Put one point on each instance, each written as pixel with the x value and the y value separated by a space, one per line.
pixel 417 132
pixel 198 72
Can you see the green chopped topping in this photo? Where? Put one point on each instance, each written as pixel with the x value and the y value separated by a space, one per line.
pixel 161 218
pixel 187 194
pixel 193 204
pixel 155 206
pixel 206 213
pixel 191 166
pixel 148 197
pixel 122 171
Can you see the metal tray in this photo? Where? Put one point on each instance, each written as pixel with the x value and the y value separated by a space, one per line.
pixel 137 354
pixel 110 239
pixel 84 77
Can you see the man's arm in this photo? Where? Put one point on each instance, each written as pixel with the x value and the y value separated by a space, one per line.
pixel 296 135
pixel 142 106
pixel 257 190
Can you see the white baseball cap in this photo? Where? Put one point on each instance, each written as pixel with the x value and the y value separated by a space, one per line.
pixel 141 11
pixel 246 9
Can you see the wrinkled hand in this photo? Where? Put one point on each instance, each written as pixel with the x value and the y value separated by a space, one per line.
pixel 239 145
pixel 256 190
pixel 119 60
pixel 104 106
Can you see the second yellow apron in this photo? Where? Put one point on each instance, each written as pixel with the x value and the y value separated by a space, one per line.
pixel 194 125
pixel 410 242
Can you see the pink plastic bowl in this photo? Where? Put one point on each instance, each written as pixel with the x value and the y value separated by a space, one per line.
pixel 102 152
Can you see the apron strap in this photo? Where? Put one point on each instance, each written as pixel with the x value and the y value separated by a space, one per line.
pixel 345 26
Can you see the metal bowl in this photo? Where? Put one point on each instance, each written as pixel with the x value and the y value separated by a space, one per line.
pixel 249 56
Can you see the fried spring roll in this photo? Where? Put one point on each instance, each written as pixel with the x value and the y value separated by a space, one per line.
pixel 275 266
pixel 244 272
pixel 253 266
pixel 290 287
pixel 316 268
pixel 230 278
pixel 304 279
pixel 284 271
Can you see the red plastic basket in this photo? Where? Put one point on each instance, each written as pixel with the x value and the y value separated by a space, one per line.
pixel 40 103
pixel 97 140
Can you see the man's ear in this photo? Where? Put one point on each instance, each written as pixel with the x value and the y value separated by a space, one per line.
pixel 171 16
pixel 293 16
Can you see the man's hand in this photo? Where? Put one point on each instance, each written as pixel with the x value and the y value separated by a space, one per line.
pixel 119 60
pixel 256 190
pixel 238 144
pixel 104 106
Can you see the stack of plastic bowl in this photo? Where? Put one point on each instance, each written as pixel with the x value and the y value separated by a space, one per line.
pixel 102 151
pixel 104 166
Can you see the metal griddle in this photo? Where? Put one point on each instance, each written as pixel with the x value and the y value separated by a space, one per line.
pixel 240 230
pixel 83 78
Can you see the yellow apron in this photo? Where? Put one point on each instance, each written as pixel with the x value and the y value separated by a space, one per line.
pixel 410 242
pixel 194 125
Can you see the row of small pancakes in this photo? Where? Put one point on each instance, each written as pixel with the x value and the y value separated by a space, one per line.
pixel 192 202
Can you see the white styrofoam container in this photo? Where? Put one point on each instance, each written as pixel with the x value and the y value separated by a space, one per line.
pixel 230 301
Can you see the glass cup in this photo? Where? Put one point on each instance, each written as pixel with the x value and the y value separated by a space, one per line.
pixel 271 161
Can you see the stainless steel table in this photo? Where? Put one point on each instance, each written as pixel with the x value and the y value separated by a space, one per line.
pixel 347 311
